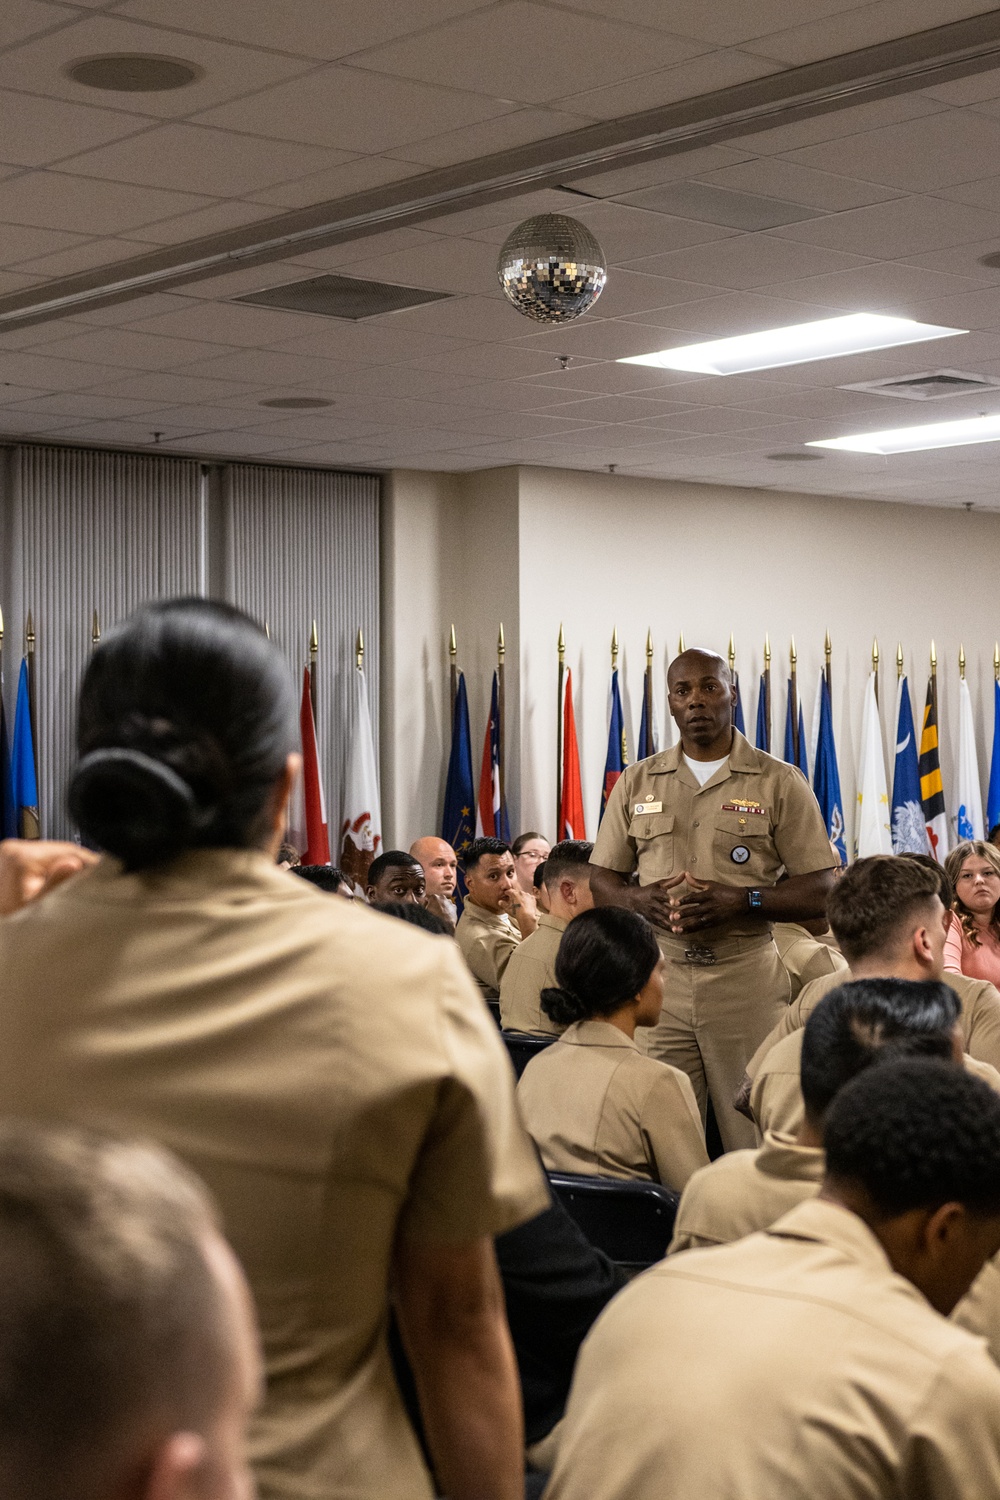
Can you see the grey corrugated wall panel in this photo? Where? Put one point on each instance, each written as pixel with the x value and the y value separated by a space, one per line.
pixel 300 545
pixel 91 530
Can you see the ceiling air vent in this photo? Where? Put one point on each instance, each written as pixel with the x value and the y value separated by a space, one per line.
pixel 342 297
pixel 932 385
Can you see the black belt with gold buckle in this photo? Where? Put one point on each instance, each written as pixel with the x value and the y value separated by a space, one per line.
pixel 703 958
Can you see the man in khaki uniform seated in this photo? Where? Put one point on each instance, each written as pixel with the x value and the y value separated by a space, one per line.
pixel 815 1358
pixel 496 914
pixel 806 957
pixel 887 915
pixel 869 1021
pixel 711 825
pixel 531 967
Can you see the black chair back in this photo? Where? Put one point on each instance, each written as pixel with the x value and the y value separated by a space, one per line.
pixel 493 1006
pixel 523 1048
pixel 630 1220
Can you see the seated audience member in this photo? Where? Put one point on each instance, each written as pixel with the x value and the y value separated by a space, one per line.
pixel 416 915
pixel 326 878
pixel 538 887
pixel 815 1358
pixel 993 837
pixel 289 857
pixel 495 914
pixel 532 966
pixel 972 946
pixel 329 1073
pixel 592 1101
pixel 857 1024
pixel 440 866
pixel 888 913
pixel 395 876
pixel 128 1361
pixel 529 850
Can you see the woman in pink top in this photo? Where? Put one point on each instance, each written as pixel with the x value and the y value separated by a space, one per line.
pixel 972 946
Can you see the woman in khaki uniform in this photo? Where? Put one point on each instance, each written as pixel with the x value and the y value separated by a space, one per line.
pixel 592 1101
pixel 331 1073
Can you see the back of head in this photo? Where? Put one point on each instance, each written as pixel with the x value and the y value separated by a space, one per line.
pixel 569 859
pixel 875 902
pixel 416 915
pixel 915 1134
pixel 605 958
pixel 185 722
pixel 872 1020
pixel 326 877
pixel 111 1335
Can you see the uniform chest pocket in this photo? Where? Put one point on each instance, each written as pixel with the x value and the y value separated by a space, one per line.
pixel 742 845
pixel 655 845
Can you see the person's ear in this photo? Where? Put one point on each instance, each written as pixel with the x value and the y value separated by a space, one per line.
pixel 922 947
pixel 940 1227
pixel 176 1470
pixel 567 890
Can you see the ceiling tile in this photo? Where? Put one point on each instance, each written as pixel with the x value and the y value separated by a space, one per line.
pixel 42 373
pixel 838 122
pixel 263 366
pixel 126 312
pixel 501 134
pixel 37 66
pixel 500 217
pixel 19 243
pixel 378 341
pixel 23 18
pixel 727 316
pixel 116 433
pixel 707 203
pixel 56 200
pixel 520 51
pixel 778 178
pixel 353 110
pixel 34 131
pixel 83 257
pixel 489 361
pixel 892 288
pixel 170 389
pixel 669 85
pixel 133 351
pixel 477 318
pixel 232 323
pixel 84 404
pixel 972 90
pixel 724 22
pixel 204 221
pixel 355 176
pixel 445 265
pixel 917 156
pixel 750 260
pixel 865 26
pixel 700 162
pixel 904 227
pixel 603 338
pixel 625 233
pixel 386 243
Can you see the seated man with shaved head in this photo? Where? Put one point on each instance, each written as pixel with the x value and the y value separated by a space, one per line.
pixel 439 863
pixel 712 825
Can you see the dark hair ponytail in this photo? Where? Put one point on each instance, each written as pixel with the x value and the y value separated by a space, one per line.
pixel 186 719
pixel 605 958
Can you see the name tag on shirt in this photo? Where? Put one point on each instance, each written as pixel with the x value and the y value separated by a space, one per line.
pixel 648 807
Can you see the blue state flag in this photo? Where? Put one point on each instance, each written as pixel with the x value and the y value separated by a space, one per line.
pixel 801 760
pixel 617 758
pixel 458 824
pixel 647 724
pixel 826 774
pixel 909 827
pixel 763 735
pixel 993 795
pixel 738 720
pixel 24 781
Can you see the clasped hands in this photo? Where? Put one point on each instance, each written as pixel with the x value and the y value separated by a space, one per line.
pixel 707 904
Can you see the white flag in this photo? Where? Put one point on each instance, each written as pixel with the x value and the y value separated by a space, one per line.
pixel 969 817
pixel 873 830
pixel 361 822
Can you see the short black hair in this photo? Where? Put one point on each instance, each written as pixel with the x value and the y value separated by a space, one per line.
pixel 605 958
pixel 875 898
pixel 415 914
pixel 570 857
pixel 479 848
pixel 867 1021
pixel 994 834
pixel 538 879
pixel 915 1134
pixel 392 859
pixel 326 877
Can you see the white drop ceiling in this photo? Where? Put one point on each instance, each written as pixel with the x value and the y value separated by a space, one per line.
pixel 887 206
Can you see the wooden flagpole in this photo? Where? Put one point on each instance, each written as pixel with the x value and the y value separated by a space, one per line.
pixel 560 692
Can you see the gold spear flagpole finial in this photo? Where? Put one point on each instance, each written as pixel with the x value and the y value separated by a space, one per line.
pixel 359 649
pixel 29 633
pixel 731 653
pixel 614 649
pixel 791 655
pixel 314 641
pixel 649 647
pixel 267 629
pixel 874 654
pixel 899 660
pixel 996 654
pixel 828 648
pixel 933 660
pixel 501 648
pixel 95 630
pixel 1 627
pixel 961 662
pixel 767 651
pixel 561 645
pixel 680 644
pixel 452 644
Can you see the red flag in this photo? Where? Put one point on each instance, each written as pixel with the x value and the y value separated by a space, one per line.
pixel 317 834
pixel 571 820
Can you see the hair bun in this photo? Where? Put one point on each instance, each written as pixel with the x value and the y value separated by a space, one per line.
pixel 562 1006
pixel 134 806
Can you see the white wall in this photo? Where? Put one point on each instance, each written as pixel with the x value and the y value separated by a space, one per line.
pixel 540 547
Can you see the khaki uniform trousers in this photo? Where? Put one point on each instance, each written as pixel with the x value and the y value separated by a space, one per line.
pixel 720 1000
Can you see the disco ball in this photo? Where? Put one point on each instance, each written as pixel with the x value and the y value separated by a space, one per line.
pixel 552 269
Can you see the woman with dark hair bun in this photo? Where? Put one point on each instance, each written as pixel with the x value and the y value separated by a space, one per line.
pixel 331 1073
pixel 593 1101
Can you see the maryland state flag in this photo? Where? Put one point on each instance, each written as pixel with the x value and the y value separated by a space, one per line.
pixel 617 758
pixel 931 784
pixel 24 780
pixel 572 824
pixel 458 826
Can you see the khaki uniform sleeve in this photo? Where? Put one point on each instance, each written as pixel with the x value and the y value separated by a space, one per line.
pixel 525 976
pixel 671 1127
pixel 979 1309
pixel 613 848
pixel 477 1172
pixel 983 1039
pixel 789 1021
pixel 776 1096
pixel 954 1447
pixel 488 956
pixel 800 835
pixel 689 1224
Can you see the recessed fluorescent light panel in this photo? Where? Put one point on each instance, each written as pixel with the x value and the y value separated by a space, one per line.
pixel 826 339
pixel 917 439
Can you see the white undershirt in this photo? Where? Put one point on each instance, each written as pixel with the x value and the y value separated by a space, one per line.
pixel 704 770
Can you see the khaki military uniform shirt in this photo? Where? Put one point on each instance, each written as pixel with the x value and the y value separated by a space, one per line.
pixel 486 939
pixel 594 1103
pixel 744 1191
pixel 793 1363
pixel 333 1076
pixel 753 819
pixel 530 969
pixel 804 956
pixel 979 1017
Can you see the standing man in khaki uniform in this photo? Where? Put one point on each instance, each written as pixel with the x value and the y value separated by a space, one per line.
pixel 532 966
pixel 815 1358
pixel 496 914
pixel 710 825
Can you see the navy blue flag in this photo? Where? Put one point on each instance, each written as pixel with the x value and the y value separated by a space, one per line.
pixel 826 774
pixel 8 814
pixel 647 724
pixel 738 721
pixel 458 825
pixel 617 758
pixel 993 795
pixel 22 763
pixel 763 736
pixel 801 760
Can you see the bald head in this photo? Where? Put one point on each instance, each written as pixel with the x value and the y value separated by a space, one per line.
pixel 696 661
pixel 700 695
pixel 440 866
